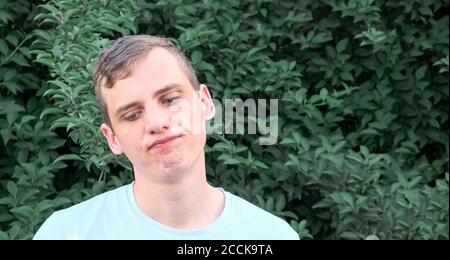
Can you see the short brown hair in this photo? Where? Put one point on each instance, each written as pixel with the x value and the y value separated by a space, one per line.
pixel 116 62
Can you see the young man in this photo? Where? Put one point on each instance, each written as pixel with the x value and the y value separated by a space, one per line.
pixel 155 112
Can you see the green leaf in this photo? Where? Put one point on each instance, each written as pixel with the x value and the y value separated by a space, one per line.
pixel 206 67
pixel 59 84
pixel 6 135
pixel 24 211
pixel 341 45
pixel 302 225
pixel 51 110
pixel 14 230
pixel 370 131
pixel 297 137
pixel 270 204
pixel 330 52
pixel 287 140
pixel 294 159
pixel 20 60
pixel 57 202
pixel 305 144
pixel 349 235
pixel 253 51
pixel 280 202
pixel 29 168
pixel 12 188
pixel 4 47
pixel 9 75
pixel 53 10
pixel 347 197
pixel 260 165
pixel 26 118
pixel 196 57
pixel 365 151
pixel 66 157
pixel 420 72
pixel 425 10
pixel 43 206
pixel 289 214
pixel 323 93
pixel 228 159
pixel 12 39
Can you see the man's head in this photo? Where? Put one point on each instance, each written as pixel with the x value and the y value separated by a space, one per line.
pixel 147 93
pixel 117 61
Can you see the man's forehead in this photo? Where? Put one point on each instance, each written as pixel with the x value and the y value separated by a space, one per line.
pixel 159 57
pixel 157 70
pixel 157 66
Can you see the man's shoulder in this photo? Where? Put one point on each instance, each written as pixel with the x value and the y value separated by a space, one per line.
pixel 252 216
pixel 99 202
pixel 83 214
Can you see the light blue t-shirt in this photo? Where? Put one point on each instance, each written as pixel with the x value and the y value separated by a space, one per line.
pixel 115 215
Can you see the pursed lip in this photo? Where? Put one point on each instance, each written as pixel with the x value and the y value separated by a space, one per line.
pixel 163 140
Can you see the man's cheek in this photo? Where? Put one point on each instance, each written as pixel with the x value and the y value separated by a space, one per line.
pixel 197 124
pixel 182 116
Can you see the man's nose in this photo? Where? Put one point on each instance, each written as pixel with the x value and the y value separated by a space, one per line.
pixel 156 121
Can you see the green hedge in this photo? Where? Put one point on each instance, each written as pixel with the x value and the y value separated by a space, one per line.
pixel 363 108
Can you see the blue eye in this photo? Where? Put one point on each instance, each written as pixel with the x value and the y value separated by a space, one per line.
pixel 169 101
pixel 133 117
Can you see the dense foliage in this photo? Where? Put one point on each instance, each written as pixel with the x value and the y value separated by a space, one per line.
pixel 363 107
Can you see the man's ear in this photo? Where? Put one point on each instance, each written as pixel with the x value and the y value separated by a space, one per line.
pixel 113 143
pixel 208 108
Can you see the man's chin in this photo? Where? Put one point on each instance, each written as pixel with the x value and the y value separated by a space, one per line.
pixel 172 163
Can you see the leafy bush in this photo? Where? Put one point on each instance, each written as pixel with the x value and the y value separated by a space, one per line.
pixel 34 104
pixel 363 108
pixel 27 146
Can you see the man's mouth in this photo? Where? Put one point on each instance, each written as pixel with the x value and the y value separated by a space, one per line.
pixel 164 142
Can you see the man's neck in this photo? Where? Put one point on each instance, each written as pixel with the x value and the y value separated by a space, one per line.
pixel 187 203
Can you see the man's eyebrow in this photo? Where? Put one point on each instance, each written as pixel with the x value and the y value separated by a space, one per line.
pixel 160 91
pixel 126 107
pixel 166 88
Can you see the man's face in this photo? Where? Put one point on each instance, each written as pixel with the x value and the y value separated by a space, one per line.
pixel 157 117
